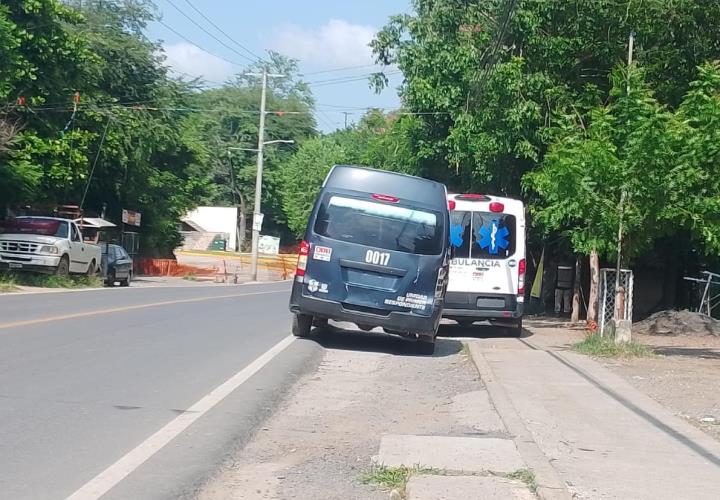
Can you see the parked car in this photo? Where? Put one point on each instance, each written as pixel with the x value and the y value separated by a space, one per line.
pixel 374 254
pixel 118 265
pixel 487 260
pixel 48 245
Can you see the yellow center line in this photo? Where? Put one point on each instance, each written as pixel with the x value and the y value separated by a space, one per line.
pixel 16 324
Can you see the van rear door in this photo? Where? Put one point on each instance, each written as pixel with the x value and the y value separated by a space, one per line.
pixel 375 254
pixel 483 248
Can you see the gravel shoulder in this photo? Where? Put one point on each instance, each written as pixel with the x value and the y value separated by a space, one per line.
pixel 684 376
pixel 320 442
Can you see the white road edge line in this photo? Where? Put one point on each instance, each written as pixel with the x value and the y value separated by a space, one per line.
pixel 110 477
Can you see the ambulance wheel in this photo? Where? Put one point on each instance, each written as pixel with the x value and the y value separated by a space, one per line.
pixel 426 345
pixel 301 325
pixel 516 329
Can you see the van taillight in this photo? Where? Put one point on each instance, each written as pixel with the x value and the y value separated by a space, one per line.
pixel 521 277
pixel 496 207
pixel 302 258
pixel 385 197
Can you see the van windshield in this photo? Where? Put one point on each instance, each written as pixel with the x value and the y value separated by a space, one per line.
pixel 380 225
pixel 481 235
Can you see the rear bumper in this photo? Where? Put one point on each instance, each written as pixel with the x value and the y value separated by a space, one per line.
pixel 469 305
pixel 397 321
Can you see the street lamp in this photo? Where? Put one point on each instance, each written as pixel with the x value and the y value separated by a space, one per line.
pixel 257 214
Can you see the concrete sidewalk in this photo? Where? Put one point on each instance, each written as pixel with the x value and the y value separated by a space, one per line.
pixel 604 439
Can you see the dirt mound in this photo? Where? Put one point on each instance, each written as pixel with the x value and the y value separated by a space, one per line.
pixel 678 323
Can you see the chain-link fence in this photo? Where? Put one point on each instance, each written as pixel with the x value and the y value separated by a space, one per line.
pixel 607 296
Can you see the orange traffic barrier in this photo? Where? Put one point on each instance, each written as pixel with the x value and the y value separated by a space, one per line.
pixel 170 267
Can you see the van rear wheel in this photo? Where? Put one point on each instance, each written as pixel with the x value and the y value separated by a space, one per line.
pixel 426 345
pixel 301 325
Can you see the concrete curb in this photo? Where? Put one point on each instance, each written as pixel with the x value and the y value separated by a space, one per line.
pixel 550 485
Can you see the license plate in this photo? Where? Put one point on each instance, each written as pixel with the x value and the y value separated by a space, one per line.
pixel 14 265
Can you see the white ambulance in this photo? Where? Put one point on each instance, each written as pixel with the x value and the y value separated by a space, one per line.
pixel 487 266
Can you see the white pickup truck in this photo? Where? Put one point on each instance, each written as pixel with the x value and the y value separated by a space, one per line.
pixel 46 245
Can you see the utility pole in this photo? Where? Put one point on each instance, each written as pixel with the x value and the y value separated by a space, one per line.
pixel 346 115
pixel 257 214
pixel 619 290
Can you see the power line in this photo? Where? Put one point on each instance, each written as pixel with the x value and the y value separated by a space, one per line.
pixel 97 156
pixel 340 78
pixel 235 63
pixel 333 70
pixel 326 119
pixel 221 31
pixel 209 33
pixel 348 79
pixel 490 68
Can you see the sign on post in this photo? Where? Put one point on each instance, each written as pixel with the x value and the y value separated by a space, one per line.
pixel 131 218
pixel 269 245
pixel 258 221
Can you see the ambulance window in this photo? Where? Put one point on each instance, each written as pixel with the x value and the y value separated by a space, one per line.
pixel 493 235
pixel 460 234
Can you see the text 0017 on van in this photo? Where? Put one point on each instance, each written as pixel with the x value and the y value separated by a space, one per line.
pixel 374 254
pixel 487 260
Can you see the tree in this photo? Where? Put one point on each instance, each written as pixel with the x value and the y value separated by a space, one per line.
pixel 663 163
pixel 492 77
pixel 227 123
pixel 97 112
pixel 304 174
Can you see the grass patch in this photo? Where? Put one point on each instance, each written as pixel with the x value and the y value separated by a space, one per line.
pixel 526 476
pixel 190 277
pixel 605 347
pixel 15 280
pixel 396 478
pixel 7 284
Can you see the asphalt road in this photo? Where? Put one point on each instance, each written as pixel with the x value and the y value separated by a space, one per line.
pixel 87 377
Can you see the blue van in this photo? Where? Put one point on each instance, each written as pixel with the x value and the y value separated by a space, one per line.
pixel 374 254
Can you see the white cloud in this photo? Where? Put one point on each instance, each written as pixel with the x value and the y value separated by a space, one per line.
pixel 337 43
pixel 186 59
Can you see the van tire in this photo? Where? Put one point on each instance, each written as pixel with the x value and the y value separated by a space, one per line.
pixel 301 325
pixel 426 345
pixel 320 322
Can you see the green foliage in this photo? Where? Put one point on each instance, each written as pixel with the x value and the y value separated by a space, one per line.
pixel 227 124
pixel 665 162
pixel 303 175
pixel 527 476
pixel 10 281
pixel 605 347
pixel 396 478
pixel 503 87
pixel 111 152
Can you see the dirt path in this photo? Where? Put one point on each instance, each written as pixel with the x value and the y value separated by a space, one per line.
pixel 683 376
pixel 319 444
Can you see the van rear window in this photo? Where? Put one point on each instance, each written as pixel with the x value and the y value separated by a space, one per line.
pixel 481 235
pixel 380 225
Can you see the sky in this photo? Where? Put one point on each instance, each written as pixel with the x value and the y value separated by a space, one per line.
pixel 323 35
